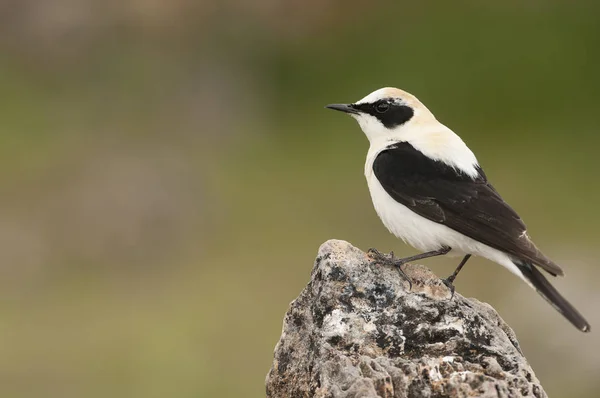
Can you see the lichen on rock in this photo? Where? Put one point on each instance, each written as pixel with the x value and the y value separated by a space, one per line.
pixel 357 331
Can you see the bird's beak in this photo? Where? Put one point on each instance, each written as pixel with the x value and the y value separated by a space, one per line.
pixel 347 108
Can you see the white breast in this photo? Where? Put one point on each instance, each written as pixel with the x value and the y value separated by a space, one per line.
pixel 421 233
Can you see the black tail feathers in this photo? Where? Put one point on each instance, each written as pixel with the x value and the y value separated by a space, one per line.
pixel 544 288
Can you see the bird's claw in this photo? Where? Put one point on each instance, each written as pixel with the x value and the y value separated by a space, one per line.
pixel 385 259
pixel 403 274
pixel 372 251
pixel 450 286
pixel 378 257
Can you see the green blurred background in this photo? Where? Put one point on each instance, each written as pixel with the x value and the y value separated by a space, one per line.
pixel 168 173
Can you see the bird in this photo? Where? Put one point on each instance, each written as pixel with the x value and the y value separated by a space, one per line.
pixel 429 190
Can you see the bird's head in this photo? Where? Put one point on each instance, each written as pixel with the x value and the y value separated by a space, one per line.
pixel 387 114
pixel 390 115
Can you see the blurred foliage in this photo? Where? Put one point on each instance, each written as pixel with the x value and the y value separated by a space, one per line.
pixel 168 173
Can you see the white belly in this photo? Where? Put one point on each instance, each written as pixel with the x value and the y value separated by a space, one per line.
pixel 426 235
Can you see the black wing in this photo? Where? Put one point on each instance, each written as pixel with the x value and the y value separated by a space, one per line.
pixel 447 196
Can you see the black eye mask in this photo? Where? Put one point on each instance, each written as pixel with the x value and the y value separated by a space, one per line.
pixel 390 113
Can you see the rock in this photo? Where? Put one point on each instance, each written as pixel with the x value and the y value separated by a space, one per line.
pixel 357 331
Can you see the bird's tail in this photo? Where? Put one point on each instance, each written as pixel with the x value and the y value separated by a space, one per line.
pixel 547 291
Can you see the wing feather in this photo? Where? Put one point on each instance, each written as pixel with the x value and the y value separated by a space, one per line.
pixel 473 207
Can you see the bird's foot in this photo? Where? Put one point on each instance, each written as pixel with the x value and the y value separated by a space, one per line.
pixel 449 285
pixel 389 259
pixel 379 257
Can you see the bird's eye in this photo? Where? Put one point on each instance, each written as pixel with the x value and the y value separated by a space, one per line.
pixel 382 107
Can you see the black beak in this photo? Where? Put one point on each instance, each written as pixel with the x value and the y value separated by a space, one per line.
pixel 347 108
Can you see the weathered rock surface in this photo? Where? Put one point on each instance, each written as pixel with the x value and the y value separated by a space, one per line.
pixel 356 331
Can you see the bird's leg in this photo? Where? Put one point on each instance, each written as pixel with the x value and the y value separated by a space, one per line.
pixel 449 281
pixel 433 253
pixel 383 259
